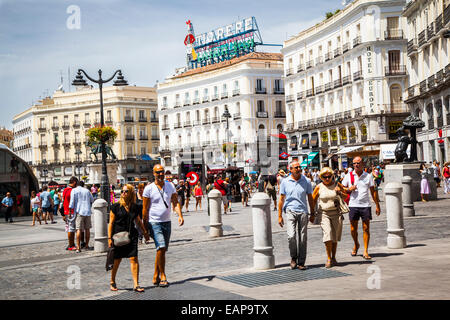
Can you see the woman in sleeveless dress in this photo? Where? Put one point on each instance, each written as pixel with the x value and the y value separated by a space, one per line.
pixel 123 217
pixel 326 195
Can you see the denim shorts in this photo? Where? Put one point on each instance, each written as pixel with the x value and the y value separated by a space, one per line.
pixel 160 232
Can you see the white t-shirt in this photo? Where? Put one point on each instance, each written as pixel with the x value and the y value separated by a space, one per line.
pixel 35 203
pixel 359 198
pixel 158 211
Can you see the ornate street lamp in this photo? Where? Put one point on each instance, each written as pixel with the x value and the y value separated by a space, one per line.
pixel 227 115
pixel 79 81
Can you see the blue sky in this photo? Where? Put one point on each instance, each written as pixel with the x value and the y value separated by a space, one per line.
pixel 143 38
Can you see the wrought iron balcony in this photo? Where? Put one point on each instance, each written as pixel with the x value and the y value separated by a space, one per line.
pixel 143 137
pixel 43 145
pixel 395 70
pixel 129 137
pixel 215 97
pixel 56 144
pixel 205 99
pixel 346 80
pixel 358 112
pixel 423 86
pixel 346 47
pixel 328 56
pixel 278 91
pixel 301 95
pixel 412 46
pixel 155 137
pixel 447 14
pixel 309 64
pixel 236 116
pixel 288 72
pixel 164 106
pixel 196 101
pixel 309 93
pixel 224 95
pixel 393 34
pixel 76 124
pixel 153 119
pixel 86 123
pixel 55 127
pixel 177 125
pixel 187 124
pixel 319 60
pixel 356 41
pixel 337 83
pixel 262 114
pixel 77 142
pixel 197 122
pixel 142 119
pixel 66 125
pixel 422 38
pixel 329 118
pixel 357 75
pixel 206 121
pixel 337 52
pixel 279 114
pixel 260 90
pixel 430 82
pixel 236 92
pixel 430 31
pixel 177 104
pixel 165 126
pixel 319 89
pixel 328 86
pixel 215 120
pixel 300 67
pixel 289 98
pixel 129 119
pixel 187 103
pixel 347 114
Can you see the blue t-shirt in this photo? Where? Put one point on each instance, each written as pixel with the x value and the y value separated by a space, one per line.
pixel 295 192
pixel 8 201
pixel 45 198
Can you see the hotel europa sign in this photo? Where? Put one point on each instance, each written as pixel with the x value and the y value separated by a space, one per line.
pixel 370 66
pixel 224 43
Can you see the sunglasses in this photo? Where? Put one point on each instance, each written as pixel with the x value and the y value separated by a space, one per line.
pixel 326 177
pixel 159 172
pixel 297 167
pixel 356 163
pixel 124 191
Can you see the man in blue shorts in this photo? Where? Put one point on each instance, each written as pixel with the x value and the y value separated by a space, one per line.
pixel 47 204
pixel 156 209
pixel 359 183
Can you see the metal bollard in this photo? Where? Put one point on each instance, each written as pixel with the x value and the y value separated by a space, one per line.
pixel 263 257
pixel 394 213
pixel 215 218
pixel 408 204
pixel 99 208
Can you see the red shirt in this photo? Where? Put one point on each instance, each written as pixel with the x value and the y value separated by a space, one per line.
pixel 446 172
pixel 219 185
pixel 66 200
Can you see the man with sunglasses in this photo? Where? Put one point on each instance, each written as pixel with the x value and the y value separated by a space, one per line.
pixel 293 202
pixel 358 183
pixel 156 210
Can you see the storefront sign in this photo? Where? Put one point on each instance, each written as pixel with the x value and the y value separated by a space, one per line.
pixel 352 132
pixel 334 136
pixel 363 130
pixel 343 134
pixel 394 126
pixel 324 135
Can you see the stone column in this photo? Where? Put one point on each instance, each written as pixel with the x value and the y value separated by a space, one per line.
pixel 99 209
pixel 263 257
pixel 215 211
pixel 408 204
pixel 394 213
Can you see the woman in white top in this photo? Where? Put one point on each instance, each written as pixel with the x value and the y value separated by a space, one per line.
pixel 35 207
pixel 424 185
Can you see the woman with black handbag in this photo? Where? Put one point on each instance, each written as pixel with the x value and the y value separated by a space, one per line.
pixel 123 235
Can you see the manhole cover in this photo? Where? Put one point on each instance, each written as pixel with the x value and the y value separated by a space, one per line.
pixel 280 276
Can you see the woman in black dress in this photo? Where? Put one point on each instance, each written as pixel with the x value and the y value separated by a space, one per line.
pixel 123 216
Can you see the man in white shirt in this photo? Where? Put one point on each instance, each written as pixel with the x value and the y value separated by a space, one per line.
pixel 81 201
pixel 358 183
pixel 156 211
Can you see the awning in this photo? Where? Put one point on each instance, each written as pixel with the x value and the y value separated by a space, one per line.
pixel 387 151
pixel 348 149
pixel 308 160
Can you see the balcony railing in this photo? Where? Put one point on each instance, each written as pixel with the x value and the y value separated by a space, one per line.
pixel 236 116
pixel 164 106
pixel 153 120
pixel 412 46
pixel 328 86
pixel 77 141
pixel 278 91
pixel 280 114
pixel 438 23
pixel 447 14
pixel 206 121
pixel 155 137
pixel 165 126
pixel 319 89
pixel 357 75
pixel 262 114
pixel 309 93
pixel 337 83
pixel 76 124
pixel 346 80
pixel 86 123
pixel 397 107
pixel 260 90
pixel 215 97
pixel 288 72
pixel 177 125
pixel 302 124
pixel 356 41
pixel 143 137
pixel 129 119
pixel 393 34
pixel 187 124
pixel 301 95
pixel 205 99
pixel 66 125
pixel 196 101
pixel 346 47
pixel 430 82
pixel 197 122
pixel 224 95
pixel 423 86
pixel 289 98
pixel 129 137
pixel 422 38
pixel 43 145
pixel 215 119
pixel 142 119
pixel 177 104
pixel 337 52
pixel 301 67
pixel 440 77
pixel 430 30
pixel 236 92
pixel 328 56
pixel 187 103
pixel 396 70
pixel 55 127
pixel 309 64
pixel 319 60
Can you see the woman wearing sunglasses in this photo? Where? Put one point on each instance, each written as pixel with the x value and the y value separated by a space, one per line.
pixel 123 217
pixel 325 194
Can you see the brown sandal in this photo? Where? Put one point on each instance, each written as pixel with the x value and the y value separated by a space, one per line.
pixel 138 289
pixel 113 286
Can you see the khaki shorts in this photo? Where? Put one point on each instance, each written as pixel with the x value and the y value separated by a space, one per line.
pixel 83 222
pixel 331 226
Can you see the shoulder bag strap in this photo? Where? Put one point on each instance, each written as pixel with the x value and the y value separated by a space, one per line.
pixel 162 194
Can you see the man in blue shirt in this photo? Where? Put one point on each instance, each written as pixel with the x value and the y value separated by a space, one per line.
pixel 81 201
pixel 8 203
pixel 293 192
pixel 47 204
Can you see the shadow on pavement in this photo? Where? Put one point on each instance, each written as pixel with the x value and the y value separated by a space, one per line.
pixel 416 245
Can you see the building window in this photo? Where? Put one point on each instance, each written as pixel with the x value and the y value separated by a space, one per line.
pixel 260 106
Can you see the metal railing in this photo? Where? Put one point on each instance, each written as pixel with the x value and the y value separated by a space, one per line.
pixel 289 98
pixel 319 89
pixel 279 114
pixel 412 46
pixel 346 47
pixel 300 95
pixel 357 75
pixel 262 114
pixel 236 92
pixel 422 38
pixel 129 137
pixel 236 116
pixel 393 34
pixel 309 64
pixel 395 70
pixel 143 137
pixel 328 56
pixel 224 95
pixel 337 52
pixel 260 90
pixel 309 93
pixel 328 86
pixel 278 91
pixel 187 124
pixel 346 80
pixel 288 72
pixel 300 67
pixel 337 83
pixel 356 41
pixel 423 86
pixel 142 119
pixel 129 119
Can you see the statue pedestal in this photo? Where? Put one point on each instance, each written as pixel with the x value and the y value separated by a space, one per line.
pixel 95 173
pixel 396 172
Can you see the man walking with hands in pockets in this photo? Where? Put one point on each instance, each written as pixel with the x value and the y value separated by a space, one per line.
pixel 156 209
pixel 293 192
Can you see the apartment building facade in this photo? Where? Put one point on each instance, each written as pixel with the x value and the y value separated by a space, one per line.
pixel 192 104
pixel 344 81
pixel 428 94
pixel 59 125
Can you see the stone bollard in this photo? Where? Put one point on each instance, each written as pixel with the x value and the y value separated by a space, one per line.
pixel 408 204
pixel 99 209
pixel 215 217
pixel 394 213
pixel 262 232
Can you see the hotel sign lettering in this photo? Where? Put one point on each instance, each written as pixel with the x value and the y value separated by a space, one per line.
pixel 370 65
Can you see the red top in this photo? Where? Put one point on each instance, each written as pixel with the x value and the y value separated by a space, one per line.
pixel 446 172
pixel 198 191
pixel 66 200
pixel 219 185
